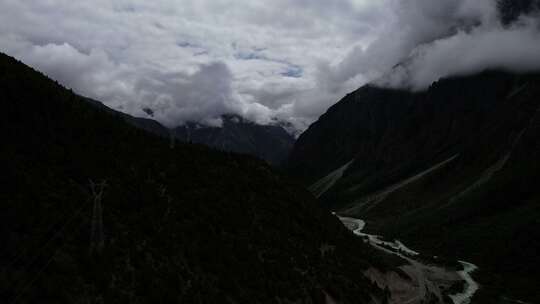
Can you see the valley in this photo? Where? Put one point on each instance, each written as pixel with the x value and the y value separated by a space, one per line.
pixel 402 196
pixel 451 170
pixel 426 280
pixel 270 152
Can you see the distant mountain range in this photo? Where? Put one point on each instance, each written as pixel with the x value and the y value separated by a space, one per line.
pixel 451 170
pixel 271 143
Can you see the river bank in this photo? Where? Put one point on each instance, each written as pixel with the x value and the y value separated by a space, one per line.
pixel 423 282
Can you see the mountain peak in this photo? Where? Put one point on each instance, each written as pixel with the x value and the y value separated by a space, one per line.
pixel 238 134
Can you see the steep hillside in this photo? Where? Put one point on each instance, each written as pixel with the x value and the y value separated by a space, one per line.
pixel 96 211
pixel 148 125
pixel 451 170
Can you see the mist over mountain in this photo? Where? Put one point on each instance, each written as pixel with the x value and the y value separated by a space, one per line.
pixel 236 134
pixel 428 40
pixel 193 62
pixel 228 133
pixel 442 150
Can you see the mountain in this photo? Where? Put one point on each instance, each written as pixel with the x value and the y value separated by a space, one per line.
pixel 95 210
pixel 148 125
pixel 269 142
pixel 452 171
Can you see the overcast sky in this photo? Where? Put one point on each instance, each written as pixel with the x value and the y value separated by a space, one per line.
pixel 287 60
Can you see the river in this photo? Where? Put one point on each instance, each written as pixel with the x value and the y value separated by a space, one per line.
pixel 428 277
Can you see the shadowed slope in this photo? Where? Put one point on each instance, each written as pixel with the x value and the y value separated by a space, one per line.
pixel 94 210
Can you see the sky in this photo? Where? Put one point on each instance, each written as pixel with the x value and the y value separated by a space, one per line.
pixel 265 60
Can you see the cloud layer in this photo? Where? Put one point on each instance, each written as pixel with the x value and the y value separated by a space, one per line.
pixel 266 60
pixel 473 41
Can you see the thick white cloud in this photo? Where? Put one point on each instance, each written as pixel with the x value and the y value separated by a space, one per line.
pixel 201 96
pixel 431 39
pixel 288 60
pixel 514 49
pixel 188 60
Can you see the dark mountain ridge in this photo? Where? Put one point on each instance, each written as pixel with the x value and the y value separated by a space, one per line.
pixel 450 170
pixel 432 124
pixel 271 143
pixel 96 211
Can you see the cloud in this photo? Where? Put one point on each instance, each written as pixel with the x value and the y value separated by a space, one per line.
pixel 186 60
pixel 88 73
pixel 512 49
pixel 429 40
pixel 265 60
pixel 411 24
pixel 178 97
